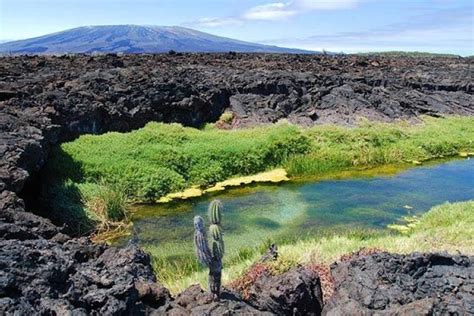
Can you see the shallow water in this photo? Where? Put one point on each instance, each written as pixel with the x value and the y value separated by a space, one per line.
pixel 255 214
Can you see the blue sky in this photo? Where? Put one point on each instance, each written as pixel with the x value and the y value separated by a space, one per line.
pixel 336 25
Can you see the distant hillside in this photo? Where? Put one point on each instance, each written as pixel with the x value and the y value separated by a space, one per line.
pixel 134 39
pixel 406 54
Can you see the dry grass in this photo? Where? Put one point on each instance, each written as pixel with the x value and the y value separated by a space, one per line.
pixel 243 283
pixel 327 281
pixel 109 210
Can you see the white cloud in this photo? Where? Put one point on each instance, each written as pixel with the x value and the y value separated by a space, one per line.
pixel 214 22
pixel 271 11
pixel 305 5
pixel 282 10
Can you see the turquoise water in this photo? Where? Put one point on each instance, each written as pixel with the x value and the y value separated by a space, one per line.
pixel 256 214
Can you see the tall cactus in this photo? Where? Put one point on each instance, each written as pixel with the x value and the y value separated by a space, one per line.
pixel 211 256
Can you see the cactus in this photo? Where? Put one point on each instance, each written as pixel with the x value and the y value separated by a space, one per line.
pixel 215 209
pixel 211 256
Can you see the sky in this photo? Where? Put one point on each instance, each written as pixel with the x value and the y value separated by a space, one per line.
pixel 443 26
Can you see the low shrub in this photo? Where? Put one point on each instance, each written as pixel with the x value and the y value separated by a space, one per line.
pixel 105 203
pixel 226 117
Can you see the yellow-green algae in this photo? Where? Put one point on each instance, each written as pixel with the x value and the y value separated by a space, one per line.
pixel 273 176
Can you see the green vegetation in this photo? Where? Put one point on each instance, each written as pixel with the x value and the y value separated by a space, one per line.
pixel 371 144
pixel 90 180
pixel 447 227
pixel 226 117
pixel 87 208
pixel 106 202
pixel 162 158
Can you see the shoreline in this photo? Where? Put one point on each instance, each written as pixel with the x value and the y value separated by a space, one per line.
pixel 280 175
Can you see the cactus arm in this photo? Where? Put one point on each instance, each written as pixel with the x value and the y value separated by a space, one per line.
pixel 215 209
pixel 215 231
pixel 217 243
pixel 202 249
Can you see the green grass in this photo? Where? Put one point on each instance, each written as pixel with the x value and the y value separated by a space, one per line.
pixel 146 164
pixel 161 158
pixel 447 227
pixel 105 202
pixel 86 208
pixel 336 148
pixel 179 268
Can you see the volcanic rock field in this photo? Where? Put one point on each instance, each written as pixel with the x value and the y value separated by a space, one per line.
pixel 47 100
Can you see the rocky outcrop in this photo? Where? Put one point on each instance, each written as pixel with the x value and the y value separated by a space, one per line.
pixel 296 292
pixel 50 99
pixel 77 277
pixel 43 271
pixel 46 100
pixel 102 93
pixel 68 96
pixel 195 301
pixel 390 284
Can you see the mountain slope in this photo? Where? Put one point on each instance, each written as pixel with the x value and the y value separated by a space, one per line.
pixel 134 39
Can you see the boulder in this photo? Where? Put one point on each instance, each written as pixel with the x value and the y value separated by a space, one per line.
pixel 391 284
pixel 46 276
pixel 296 292
pixel 195 301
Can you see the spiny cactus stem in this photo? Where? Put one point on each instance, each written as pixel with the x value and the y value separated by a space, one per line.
pixel 211 256
pixel 215 212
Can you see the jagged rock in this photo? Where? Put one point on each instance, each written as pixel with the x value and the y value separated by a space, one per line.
pixel 296 292
pixel 5 95
pixel 196 301
pixel 45 276
pixel 391 284
pixel 16 224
